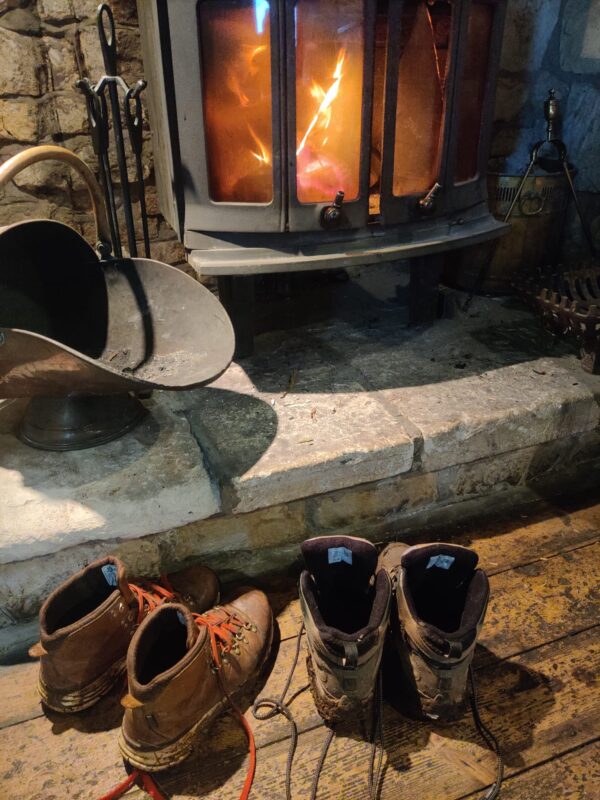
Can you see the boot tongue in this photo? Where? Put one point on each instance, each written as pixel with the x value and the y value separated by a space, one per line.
pixel 337 560
pixel 447 563
pixel 114 573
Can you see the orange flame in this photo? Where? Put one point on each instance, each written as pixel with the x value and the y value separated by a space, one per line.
pixel 251 70
pixel 263 156
pixel 322 118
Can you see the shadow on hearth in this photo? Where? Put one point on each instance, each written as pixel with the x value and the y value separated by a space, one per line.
pixel 334 334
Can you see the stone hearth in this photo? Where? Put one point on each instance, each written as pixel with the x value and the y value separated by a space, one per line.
pixel 356 424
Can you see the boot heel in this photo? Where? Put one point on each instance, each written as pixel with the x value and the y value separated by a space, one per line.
pixel 168 756
pixel 87 696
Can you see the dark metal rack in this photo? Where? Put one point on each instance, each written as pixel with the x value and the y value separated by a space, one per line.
pixel 129 107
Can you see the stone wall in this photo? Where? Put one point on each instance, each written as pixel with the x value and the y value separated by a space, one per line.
pixel 47 44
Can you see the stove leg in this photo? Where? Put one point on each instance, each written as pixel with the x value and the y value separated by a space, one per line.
pixel 424 295
pixel 237 295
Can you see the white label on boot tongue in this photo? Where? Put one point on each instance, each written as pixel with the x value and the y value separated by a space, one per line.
pixel 110 573
pixel 335 555
pixel 443 562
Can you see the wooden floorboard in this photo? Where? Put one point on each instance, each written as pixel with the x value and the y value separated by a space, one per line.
pixel 539 705
pixel 537 667
pixel 542 595
pixel 574 776
pixel 512 539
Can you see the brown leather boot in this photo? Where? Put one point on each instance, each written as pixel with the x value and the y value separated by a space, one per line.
pixel 183 670
pixel 87 623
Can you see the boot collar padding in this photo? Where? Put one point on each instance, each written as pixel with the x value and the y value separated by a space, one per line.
pixel 146 641
pixel 58 602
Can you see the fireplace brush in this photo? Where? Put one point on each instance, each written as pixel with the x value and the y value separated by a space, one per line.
pixel 100 119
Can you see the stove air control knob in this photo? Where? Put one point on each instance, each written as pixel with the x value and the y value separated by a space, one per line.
pixel 331 216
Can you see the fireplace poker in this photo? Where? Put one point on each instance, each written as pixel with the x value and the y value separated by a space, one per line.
pixel 98 119
pixel 108 44
pixel 134 120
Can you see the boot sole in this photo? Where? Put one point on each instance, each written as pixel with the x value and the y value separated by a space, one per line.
pixel 174 753
pixel 87 696
pixel 330 709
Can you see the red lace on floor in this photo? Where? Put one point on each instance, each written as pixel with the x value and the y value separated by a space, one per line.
pixel 136 778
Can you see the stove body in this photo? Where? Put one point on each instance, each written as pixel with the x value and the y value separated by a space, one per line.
pixel 315 134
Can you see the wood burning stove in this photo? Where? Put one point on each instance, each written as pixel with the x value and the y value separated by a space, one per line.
pixel 312 134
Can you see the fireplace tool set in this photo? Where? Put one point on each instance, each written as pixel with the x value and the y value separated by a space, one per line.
pixel 99 121
pixel 84 333
pixel 568 301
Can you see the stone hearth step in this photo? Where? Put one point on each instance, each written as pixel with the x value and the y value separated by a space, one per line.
pixel 355 425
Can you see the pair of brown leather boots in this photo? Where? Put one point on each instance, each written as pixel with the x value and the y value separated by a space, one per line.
pixel 185 656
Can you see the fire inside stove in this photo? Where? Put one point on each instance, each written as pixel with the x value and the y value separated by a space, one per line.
pixel 329 57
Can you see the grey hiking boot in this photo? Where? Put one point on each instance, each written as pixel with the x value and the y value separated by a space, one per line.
pixel 345 603
pixel 441 599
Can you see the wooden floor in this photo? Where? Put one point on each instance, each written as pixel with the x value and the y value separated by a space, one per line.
pixel 537 669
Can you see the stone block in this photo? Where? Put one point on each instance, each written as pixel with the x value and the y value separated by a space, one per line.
pixel 512 96
pixel 511 145
pixel 49 176
pixel 372 506
pixel 124 11
pixel 19 120
pixel 503 410
pixel 529 27
pixel 493 474
pixel 62 63
pixel 473 386
pixel 582 132
pixel 150 480
pixel 70 113
pixel 24 585
pixel 19 16
pixel 24 207
pixel 304 428
pixel 272 527
pixel 89 47
pixel 170 252
pixel 21 64
pixel 56 12
pixel 580 37
pixel 571 450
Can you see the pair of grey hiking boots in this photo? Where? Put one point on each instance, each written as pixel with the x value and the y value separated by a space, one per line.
pixel 414 611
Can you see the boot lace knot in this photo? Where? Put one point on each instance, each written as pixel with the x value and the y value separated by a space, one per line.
pixel 150 595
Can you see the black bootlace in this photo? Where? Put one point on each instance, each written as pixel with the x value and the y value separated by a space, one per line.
pixel 488 738
pixel 268 707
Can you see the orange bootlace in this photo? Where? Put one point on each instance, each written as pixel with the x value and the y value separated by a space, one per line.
pixel 224 630
pixel 139 778
pixel 151 595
